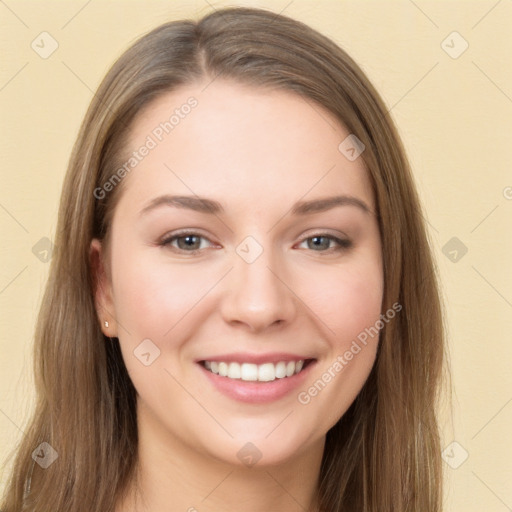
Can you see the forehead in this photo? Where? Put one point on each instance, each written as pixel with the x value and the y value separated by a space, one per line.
pixel 240 144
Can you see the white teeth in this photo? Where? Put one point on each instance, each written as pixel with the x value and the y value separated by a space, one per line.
pixel 249 371
pixel 280 370
pixel 234 371
pixel 223 369
pixel 266 372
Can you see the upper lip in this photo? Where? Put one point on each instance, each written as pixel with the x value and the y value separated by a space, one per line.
pixel 239 357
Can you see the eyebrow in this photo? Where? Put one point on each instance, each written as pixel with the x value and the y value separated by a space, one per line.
pixel 204 205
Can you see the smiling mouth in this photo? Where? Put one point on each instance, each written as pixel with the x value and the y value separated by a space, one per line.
pixel 250 372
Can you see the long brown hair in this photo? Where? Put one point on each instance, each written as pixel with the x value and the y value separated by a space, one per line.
pixel 384 453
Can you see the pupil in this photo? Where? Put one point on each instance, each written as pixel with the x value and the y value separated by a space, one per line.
pixel 189 241
pixel 316 242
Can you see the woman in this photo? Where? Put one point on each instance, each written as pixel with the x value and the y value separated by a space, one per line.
pixel 242 311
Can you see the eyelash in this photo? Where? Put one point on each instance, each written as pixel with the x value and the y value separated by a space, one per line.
pixel 343 244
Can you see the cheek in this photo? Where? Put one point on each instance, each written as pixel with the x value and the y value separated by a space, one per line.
pixel 349 305
pixel 355 307
pixel 347 300
pixel 161 303
pixel 152 297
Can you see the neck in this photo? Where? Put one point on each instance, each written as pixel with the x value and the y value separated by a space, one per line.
pixel 173 477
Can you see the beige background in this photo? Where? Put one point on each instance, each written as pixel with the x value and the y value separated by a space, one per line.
pixel 453 113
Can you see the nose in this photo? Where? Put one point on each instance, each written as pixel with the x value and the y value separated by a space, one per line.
pixel 258 296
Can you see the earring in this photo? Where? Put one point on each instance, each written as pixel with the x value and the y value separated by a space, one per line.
pixel 106 323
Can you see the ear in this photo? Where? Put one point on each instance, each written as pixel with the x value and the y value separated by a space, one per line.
pixel 102 283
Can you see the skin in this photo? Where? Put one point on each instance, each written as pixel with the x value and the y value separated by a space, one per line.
pixel 257 153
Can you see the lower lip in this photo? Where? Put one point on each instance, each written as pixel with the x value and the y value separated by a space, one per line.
pixel 257 392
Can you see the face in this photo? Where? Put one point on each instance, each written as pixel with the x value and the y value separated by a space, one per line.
pixel 245 260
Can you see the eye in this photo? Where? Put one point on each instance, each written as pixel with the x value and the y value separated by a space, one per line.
pixel 193 242
pixel 186 242
pixel 324 242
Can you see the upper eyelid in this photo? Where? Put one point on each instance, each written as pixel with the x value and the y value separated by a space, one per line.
pixel 326 232
pixel 186 232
